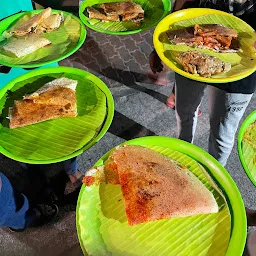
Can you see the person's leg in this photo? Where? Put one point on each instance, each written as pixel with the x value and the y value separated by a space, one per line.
pixel 14 207
pixel 189 95
pixel 226 111
pixel 15 211
pixel 75 176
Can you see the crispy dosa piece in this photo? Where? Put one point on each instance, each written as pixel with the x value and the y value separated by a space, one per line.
pixel 53 22
pixel 213 30
pixel 23 46
pixel 30 25
pixel 205 65
pixel 99 14
pixel 54 100
pixel 120 8
pixel 154 187
pixel 57 92
pixel 27 112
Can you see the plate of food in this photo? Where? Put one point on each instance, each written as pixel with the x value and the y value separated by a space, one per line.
pixel 53 114
pixel 206 45
pixel 160 196
pixel 123 17
pixel 247 146
pixel 36 38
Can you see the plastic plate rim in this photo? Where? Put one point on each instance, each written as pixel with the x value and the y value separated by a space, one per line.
pixel 248 120
pixel 130 32
pixel 216 170
pixel 80 42
pixel 182 13
pixel 53 70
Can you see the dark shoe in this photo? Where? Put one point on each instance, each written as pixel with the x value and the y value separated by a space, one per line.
pixel 45 213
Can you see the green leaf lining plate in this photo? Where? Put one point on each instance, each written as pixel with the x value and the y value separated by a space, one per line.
pixel 103 230
pixel 66 40
pixel 60 139
pixel 154 10
pixel 247 148
pixel 243 63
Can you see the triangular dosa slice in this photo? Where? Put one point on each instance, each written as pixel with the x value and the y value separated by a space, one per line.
pixel 60 91
pixel 155 187
pixel 54 100
pixel 31 24
pixel 51 23
pixel 99 14
pixel 23 46
pixel 121 8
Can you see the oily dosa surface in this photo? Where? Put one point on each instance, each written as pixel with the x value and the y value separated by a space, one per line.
pixel 155 187
pixel 32 23
pixel 55 99
pixel 26 113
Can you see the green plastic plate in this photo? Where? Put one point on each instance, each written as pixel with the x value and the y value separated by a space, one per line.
pixel 63 138
pixel 246 153
pixel 65 41
pixel 155 10
pixel 102 224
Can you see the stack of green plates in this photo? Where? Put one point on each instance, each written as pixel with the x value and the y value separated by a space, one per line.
pixel 102 224
pixel 59 139
pixel 247 149
pixel 154 11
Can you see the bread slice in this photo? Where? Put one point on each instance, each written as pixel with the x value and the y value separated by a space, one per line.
pixel 54 100
pixel 23 46
pixel 31 24
pixel 155 187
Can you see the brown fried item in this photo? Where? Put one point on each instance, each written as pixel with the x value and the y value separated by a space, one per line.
pixel 121 8
pixel 118 11
pixel 30 25
pixel 26 112
pixel 205 65
pixel 214 29
pixel 154 187
pixel 210 36
pixel 99 14
pixel 53 100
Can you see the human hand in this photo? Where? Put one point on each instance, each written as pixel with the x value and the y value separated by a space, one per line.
pixel 155 62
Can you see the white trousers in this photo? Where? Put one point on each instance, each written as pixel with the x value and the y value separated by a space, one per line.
pixel 225 110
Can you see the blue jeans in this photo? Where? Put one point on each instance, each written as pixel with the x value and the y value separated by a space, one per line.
pixel 14 207
pixel 225 112
pixel 70 166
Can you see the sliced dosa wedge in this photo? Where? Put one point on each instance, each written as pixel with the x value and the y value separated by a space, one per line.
pixel 99 14
pixel 54 100
pixel 51 23
pixel 23 46
pixel 60 91
pixel 31 24
pixel 155 187
pixel 121 8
